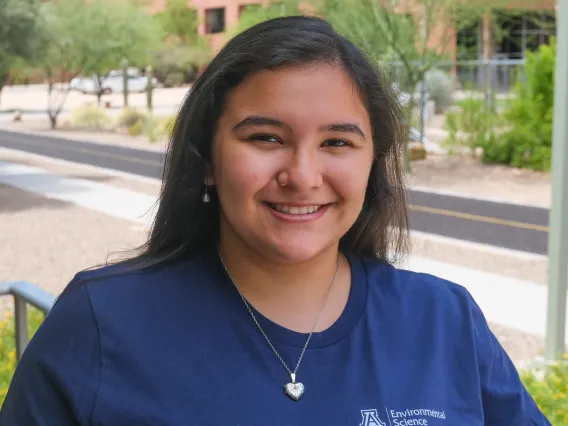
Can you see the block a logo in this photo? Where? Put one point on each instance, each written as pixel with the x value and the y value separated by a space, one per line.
pixel 371 418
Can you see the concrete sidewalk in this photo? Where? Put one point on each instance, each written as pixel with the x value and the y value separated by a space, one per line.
pixel 506 301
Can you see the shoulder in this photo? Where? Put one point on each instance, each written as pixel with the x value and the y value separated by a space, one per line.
pixel 423 302
pixel 124 299
pixel 446 320
pixel 399 283
pixel 63 361
pixel 126 281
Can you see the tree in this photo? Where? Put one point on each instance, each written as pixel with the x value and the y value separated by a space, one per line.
pixel 91 38
pixel 122 30
pixel 256 13
pixel 59 56
pixel 182 53
pixel 414 35
pixel 175 63
pixel 179 20
pixel 18 32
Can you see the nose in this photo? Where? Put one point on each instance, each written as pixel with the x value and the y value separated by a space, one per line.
pixel 302 171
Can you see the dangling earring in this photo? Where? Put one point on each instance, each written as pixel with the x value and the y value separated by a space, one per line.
pixel 206 197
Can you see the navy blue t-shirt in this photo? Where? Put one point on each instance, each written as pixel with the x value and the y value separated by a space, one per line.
pixel 176 346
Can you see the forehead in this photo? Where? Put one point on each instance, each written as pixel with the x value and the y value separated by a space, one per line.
pixel 315 94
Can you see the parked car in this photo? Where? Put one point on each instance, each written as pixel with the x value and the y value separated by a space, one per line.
pixel 112 83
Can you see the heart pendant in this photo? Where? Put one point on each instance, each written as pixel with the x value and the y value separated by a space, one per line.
pixel 294 390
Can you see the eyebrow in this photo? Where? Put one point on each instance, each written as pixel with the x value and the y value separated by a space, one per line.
pixel 344 128
pixel 257 120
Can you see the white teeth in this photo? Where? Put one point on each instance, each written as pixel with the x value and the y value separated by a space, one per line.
pixel 295 210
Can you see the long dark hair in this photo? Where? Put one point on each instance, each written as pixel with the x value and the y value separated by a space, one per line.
pixel 184 224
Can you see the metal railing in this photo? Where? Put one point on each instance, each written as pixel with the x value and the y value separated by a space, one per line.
pixel 503 73
pixel 24 294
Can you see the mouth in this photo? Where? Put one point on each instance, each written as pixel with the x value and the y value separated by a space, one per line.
pixel 295 210
pixel 297 213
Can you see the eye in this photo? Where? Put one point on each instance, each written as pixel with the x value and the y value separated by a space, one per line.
pixel 262 137
pixel 336 143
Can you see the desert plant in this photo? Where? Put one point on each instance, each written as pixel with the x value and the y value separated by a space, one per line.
pixel 169 124
pixel 548 385
pixel 471 125
pixel 91 117
pixel 8 346
pixel 178 58
pixel 439 86
pixel 160 128
pixel 129 116
pixel 136 129
pixel 174 79
pixel 528 139
pixel 151 127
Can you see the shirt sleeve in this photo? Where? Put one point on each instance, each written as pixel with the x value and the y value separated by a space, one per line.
pixel 506 402
pixel 56 381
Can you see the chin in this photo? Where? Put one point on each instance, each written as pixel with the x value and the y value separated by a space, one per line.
pixel 295 252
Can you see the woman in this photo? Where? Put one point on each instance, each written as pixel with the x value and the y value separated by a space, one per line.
pixel 265 295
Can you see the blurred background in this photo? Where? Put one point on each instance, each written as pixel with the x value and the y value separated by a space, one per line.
pixel 89 91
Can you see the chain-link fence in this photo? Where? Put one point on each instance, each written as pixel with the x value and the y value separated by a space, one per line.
pixel 497 75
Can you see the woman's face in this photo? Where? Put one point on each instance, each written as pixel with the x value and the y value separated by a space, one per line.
pixel 292 155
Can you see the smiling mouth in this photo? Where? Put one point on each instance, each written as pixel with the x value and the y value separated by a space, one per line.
pixel 296 210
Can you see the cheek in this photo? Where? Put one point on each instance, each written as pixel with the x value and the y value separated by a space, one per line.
pixel 350 179
pixel 241 172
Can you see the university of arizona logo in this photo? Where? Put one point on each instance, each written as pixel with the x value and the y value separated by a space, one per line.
pixel 371 418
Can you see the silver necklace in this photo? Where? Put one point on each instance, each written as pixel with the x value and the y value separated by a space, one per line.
pixel 294 390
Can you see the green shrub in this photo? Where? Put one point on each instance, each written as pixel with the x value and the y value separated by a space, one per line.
pixel 256 13
pixel 130 116
pixel 471 125
pixel 527 141
pixel 168 125
pixel 549 387
pixel 440 87
pixel 8 346
pixel 174 79
pixel 159 128
pixel 180 60
pixel 150 129
pixel 91 117
pixel 136 129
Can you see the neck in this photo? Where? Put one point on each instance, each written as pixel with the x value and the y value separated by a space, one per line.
pixel 290 294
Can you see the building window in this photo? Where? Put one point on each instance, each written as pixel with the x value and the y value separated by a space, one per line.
pixel 215 20
pixel 523 31
pixel 468 42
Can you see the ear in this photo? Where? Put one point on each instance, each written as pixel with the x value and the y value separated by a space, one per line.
pixel 209 178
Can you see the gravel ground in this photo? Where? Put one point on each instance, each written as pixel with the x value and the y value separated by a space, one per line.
pixel 46 241
pixel 467 175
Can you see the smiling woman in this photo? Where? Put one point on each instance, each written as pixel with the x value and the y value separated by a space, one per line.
pixel 307 151
pixel 266 293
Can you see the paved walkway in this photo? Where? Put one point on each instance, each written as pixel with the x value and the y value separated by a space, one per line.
pixel 506 301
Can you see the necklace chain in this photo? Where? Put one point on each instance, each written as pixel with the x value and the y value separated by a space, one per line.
pixel 292 373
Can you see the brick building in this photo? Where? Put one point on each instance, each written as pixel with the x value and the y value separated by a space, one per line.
pixel 524 31
pixel 215 16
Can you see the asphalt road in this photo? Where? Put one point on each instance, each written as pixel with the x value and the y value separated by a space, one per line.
pixel 499 224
